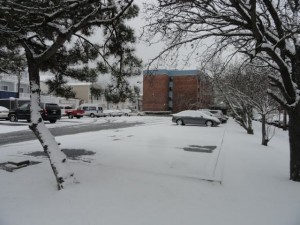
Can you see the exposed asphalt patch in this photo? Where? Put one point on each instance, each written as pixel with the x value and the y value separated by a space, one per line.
pixel 74 154
pixel 198 148
pixel 27 135
pixel 15 124
pixel 11 166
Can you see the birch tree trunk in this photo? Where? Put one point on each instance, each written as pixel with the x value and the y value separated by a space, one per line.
pixel 57 158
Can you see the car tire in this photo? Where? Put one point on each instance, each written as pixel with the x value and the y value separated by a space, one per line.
pixel 78 117
pixel 28 121
pixel 52 121
pixel 70 116
pixel 209 123
pixel 13 118
pixel 92 115
pixel 179 122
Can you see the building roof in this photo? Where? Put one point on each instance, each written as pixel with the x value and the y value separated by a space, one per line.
pixel 171 73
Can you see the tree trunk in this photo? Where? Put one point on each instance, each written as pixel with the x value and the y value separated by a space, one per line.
pixel 294 136
pixel 284 125
pixel 250 130
pixel 19 84
pixel 244 121
pixel 249 121
pixel 264 131
pixel 56 157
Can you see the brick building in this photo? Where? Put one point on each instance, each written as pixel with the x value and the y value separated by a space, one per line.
pixel 176 90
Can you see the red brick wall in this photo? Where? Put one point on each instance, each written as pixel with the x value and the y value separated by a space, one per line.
pixel 185 92
pixel 155 92
pixel 188 93
pixel 205 94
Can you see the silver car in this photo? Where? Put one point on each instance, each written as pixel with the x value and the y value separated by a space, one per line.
pixel 3 112
pixel 194 117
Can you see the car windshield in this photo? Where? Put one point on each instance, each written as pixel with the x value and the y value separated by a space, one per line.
pixel 24 106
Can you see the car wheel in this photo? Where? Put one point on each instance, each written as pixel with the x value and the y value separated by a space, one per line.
pixel 13 118
pixel 179 122
pixel 78 117
pixel 28 121
pixel 209 123
pixel 52 121
pixel 70 116
pixel 92 115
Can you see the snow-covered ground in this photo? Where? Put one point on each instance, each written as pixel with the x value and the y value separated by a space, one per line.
pixel 7 126
pixel 152 174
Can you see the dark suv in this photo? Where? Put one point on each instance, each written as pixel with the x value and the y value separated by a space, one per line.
pixel 49 111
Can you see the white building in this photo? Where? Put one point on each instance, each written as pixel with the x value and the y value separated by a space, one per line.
pixel 9 89
pixel 9 85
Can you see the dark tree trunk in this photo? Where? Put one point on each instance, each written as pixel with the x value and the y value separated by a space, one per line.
pixel 19 84
pixel 249 122
pixel 50 146
pixel 284 125
pixel 265 140
pixel 294 136
pixel 250 130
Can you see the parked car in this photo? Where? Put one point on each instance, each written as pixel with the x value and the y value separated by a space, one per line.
pixel 217 113
pixel 113 112
pixel 257 117
pixel 126 112
pixel 49 112
pixel 4 113
pixel 92 110
pixel 136 113
pixel 129 112
pixel 63 109
pixel 209 113
pixel 71 113
pixel 194 117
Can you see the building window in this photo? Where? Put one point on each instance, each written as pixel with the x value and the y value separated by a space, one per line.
pixel 21 90
pixel 4 88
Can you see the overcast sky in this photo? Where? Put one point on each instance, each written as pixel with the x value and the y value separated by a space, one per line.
pixel 143 50
pixel 147 52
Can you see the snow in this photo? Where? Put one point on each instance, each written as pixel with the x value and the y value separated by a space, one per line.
pixel 142 175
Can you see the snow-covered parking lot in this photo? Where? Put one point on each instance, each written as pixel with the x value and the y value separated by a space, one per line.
pixel 7 126
pixel 155 173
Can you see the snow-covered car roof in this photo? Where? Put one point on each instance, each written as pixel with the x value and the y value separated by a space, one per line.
pixel 196 113
pixel 3 108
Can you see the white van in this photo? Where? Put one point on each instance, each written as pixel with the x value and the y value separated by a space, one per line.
pixel 92 110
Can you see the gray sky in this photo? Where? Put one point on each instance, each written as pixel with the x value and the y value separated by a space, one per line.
pixel 147 52
pixel 144 51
